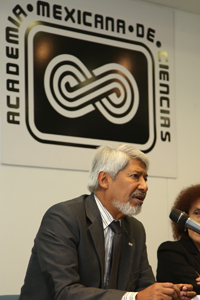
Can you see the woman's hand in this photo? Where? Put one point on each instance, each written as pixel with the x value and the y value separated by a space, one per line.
pixel 198 280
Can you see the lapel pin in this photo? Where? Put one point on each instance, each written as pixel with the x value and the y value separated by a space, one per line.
pixel 130 244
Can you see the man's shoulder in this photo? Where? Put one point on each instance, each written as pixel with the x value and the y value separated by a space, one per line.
pixel 69 211
pixel 75 205
pixel 71 202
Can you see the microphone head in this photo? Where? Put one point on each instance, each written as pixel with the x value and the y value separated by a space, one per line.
pixel 178 217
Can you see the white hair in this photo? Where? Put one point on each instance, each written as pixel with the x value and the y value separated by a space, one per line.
pixel 112 159
pixel 127 209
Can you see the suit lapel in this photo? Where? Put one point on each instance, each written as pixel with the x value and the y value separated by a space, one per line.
pixel 127 254
pixel 96 230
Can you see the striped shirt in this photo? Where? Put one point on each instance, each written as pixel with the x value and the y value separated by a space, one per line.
pixel 107 218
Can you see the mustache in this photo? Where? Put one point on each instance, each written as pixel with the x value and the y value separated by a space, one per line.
pixel 138 194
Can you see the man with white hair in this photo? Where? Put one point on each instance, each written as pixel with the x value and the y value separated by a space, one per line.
pixel 92 247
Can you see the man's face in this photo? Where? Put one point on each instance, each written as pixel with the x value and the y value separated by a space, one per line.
pixel 129 186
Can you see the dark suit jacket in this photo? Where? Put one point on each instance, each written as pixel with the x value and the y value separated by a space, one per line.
pixel 67 260
pixel 178 262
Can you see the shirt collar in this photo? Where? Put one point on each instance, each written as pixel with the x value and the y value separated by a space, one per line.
pixel 107 218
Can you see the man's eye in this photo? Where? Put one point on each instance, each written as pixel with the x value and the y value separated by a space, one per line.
pixel 135 175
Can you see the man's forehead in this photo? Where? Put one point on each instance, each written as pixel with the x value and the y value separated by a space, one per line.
pixel 137 163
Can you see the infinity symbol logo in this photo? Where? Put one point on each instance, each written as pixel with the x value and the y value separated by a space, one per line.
pixel 74 91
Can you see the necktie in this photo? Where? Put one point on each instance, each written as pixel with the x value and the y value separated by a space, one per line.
pixel 116 248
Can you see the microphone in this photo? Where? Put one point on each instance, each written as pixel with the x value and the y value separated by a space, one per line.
pixel 182 219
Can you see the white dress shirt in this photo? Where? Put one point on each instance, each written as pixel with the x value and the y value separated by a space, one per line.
pixel 107 218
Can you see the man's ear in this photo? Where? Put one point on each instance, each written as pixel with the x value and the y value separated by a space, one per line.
pixel 103 179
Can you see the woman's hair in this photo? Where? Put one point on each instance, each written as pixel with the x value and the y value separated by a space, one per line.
pixel 184 202
pixel 112 159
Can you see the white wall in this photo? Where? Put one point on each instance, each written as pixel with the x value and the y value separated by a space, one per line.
pixel 26 193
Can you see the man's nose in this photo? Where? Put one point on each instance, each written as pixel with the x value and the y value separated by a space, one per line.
pixel 143 185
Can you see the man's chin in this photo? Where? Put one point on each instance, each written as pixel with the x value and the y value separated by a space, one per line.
pixel 127 208
pixel 136 210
